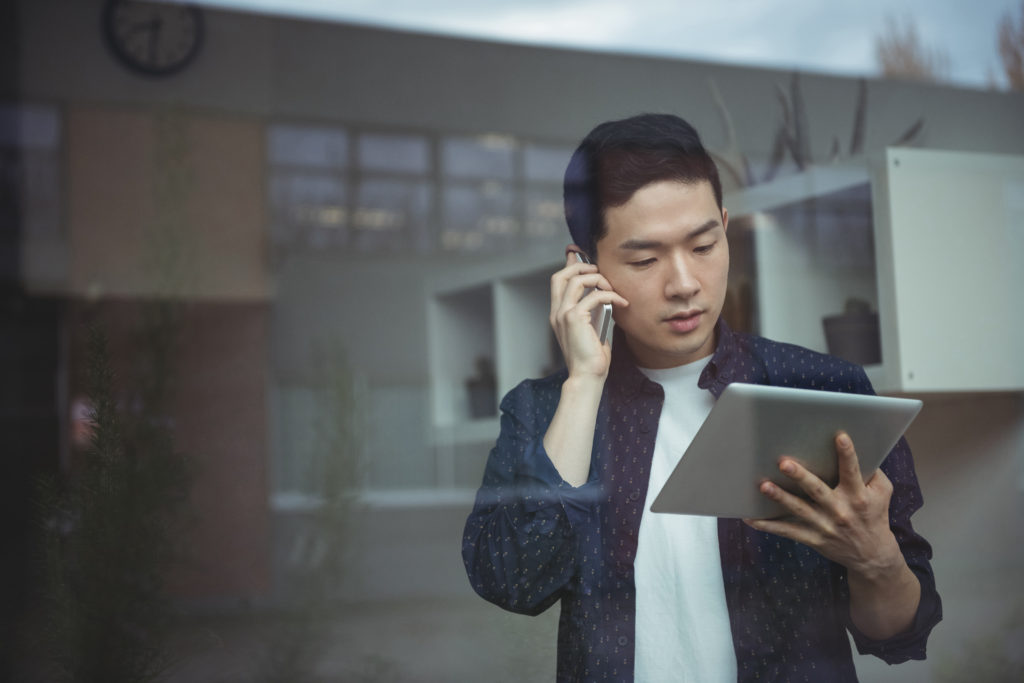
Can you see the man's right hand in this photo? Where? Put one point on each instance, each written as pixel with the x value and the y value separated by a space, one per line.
pixel 585 355
pixel 570 435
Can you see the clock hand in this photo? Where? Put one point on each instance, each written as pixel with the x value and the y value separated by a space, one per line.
pixel 154 39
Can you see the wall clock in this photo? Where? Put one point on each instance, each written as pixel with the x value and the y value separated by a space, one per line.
pixel 153 38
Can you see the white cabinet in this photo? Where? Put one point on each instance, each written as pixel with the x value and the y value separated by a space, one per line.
pixel 932 240
pixel 811 237
pixel 496 312
pixel 950 243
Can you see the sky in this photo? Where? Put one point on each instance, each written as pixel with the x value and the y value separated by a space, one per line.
pixel 808 35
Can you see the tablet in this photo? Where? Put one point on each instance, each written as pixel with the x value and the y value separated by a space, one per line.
pixel 751 426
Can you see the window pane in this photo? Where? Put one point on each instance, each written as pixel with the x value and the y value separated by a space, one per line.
pixel 30 175
pixel 29 126
pixel 40 193
pixel 479 217
pixel 545 216
pixel 480 157
pixel 307 146
pixel 402 455
pixel 394 153
pixel 297 466
pixel 393 214
pixel 545 163
pixel 310 208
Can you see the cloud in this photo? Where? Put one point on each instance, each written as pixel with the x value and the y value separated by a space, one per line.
pixel 804 34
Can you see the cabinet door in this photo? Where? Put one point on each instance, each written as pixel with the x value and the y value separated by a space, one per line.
pixel 950 246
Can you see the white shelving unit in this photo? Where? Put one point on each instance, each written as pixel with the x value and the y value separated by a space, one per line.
pixel 950 236
pixel 496 310
pixel 813 250
pixel 462 324
pixel 932 240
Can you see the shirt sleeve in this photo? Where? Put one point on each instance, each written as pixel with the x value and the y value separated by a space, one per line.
pixel 906 500
pixel 521 538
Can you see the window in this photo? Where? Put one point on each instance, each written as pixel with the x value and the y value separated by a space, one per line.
pixel 30 137
pixel 370 191
pixel 308 186
pixel 543 168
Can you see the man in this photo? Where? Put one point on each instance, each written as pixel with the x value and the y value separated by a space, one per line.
pixel 563 512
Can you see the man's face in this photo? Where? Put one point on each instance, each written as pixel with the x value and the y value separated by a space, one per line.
pixel 665 252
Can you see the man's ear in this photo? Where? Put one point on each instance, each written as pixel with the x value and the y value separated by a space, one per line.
pixel 725 219
pixel 575 249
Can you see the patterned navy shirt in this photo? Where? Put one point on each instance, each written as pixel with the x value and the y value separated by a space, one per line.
pixel 533 540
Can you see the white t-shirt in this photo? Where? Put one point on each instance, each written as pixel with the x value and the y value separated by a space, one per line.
pixel 682 622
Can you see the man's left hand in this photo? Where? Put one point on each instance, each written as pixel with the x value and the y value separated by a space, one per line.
pixel 848 524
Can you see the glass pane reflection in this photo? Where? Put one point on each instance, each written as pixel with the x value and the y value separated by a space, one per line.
pixel 545 163
pixel 307 146
pixel 394 153
pixel 481 157
pixel 393 214
pixel 479 216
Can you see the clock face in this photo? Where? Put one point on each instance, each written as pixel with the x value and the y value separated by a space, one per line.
pixel 153 38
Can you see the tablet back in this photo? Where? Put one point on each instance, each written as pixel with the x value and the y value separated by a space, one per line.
pixel 751 426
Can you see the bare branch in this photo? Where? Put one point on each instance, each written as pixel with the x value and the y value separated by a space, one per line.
pixel 900 54
pixel 1011 48
pixel 859 118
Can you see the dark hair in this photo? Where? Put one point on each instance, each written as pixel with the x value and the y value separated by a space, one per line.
pixel 618 158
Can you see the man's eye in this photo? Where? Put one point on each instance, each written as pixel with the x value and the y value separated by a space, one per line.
pixel 704 248
pixel 643 262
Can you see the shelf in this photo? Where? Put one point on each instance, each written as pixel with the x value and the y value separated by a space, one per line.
pixel 813 245
pixel 461 330
pixel 814 182
pixel 482 430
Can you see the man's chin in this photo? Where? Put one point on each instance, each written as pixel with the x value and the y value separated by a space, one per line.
pixel 670 355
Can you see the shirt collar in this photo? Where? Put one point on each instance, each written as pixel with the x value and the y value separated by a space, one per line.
pixel 724 367
pixel 624 375
pixel 719 372
pixel 734 360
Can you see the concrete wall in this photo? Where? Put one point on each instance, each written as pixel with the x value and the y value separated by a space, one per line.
pixel 268 67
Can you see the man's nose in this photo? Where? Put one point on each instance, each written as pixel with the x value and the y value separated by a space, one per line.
pixel 681 282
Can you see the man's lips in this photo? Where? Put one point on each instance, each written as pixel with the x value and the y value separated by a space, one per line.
pixel 684 322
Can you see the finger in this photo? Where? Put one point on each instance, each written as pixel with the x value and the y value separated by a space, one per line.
pixel 560 280
pixel 787 528
pixel 571 270
pixel 847 462
pixel 794 504
pixel 576 316
pixel 573 293
pixel 598 297
pixel 809 483
pixel 879 480
pixel 571 250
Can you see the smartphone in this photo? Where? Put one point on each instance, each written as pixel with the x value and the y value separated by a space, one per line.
pixel 600 317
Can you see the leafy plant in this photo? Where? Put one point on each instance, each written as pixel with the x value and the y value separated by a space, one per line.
pixel 111 528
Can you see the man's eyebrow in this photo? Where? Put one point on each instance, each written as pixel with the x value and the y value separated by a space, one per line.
pixel 641 244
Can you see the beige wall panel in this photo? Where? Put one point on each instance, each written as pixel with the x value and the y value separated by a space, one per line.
pixel 165 204
pixel 109 200
pixel 226 205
